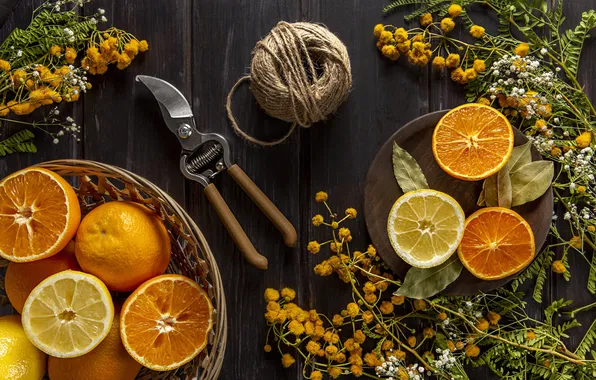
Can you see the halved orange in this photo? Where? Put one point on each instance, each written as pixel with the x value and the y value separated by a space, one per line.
pixel 472 142
pixel 166 322
pixel 39 214
pixel 497 243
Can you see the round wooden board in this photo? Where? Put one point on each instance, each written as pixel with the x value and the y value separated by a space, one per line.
pixel 381 191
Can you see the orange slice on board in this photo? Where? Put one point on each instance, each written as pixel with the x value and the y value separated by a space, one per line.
pixel 166 322
pixel 39 214
pixel 472 142
pixel 497 243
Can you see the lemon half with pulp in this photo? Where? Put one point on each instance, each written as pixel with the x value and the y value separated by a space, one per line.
pixel 68 314
pixel 425 227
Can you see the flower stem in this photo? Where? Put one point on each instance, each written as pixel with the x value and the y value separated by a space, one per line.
pixel 567 356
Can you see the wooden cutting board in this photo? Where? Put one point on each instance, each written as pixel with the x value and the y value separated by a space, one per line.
pixel 381 191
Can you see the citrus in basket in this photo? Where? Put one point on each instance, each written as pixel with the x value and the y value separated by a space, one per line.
pixel 19 358
pixel 124 244
pixel 108 361
pixel 22 278
pixel 497 243
pixel 39 214
pixel 166 322
pixel 425 227
pixel 472 142
pixel 68 314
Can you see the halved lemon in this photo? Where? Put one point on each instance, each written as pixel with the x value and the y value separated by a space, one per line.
pixel 425 227
pixel 68 314
pixel 472 142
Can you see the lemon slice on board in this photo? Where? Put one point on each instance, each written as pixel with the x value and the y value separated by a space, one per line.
pixel 68 314
pixel 425 227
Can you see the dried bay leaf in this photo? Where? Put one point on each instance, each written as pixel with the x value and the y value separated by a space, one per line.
pixel 521 155
pixel 491 193
pixel 481 200
pixel 426 282
pixel 530 181
pixel 504 187
pixel 406 170
pixel 497 189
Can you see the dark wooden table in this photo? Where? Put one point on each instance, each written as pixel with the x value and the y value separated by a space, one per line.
pixel 203 46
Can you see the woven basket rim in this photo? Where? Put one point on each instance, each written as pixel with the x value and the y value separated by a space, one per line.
pixel 212 367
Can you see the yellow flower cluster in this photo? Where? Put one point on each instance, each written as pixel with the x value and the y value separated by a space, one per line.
pixel 309 329
pixel 584 140
pixel 454 10
pixel 40 86
pixel 50 81
pixel 522 49
pixel 458 73
pixel 514 106
pixel 558 267
pixel 113 46
pixel 394 42
pixel 477 31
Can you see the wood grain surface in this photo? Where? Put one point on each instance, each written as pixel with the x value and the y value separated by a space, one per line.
pixel 381 191
pixel 203 47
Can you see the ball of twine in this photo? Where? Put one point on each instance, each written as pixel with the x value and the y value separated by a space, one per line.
pixel 300 73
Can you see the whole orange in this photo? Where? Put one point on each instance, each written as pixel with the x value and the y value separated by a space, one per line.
pixel 124 244
pixel 21 278
pixel 108 361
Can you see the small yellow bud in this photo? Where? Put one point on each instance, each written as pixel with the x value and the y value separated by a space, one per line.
pixel 558 267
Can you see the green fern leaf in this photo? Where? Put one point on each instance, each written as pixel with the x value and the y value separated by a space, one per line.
pixel 19 142
pixel 574 41
pixel 553 308
pixel 592 275
pixel 541 277
pixel 587 341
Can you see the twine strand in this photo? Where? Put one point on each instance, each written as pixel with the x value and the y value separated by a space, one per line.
pixel 300 73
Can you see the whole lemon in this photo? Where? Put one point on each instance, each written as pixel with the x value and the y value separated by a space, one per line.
pixel 19 358
pixel 108 361
pixel 124 244
pixel 21 278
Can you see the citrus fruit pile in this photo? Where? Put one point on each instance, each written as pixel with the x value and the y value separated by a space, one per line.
pixel 62 278
pixel 425 227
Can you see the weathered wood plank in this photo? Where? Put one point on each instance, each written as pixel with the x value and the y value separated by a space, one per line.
pixel 224 33
pixel 123 124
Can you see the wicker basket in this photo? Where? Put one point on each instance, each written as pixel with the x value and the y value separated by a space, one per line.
pixel 97 183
